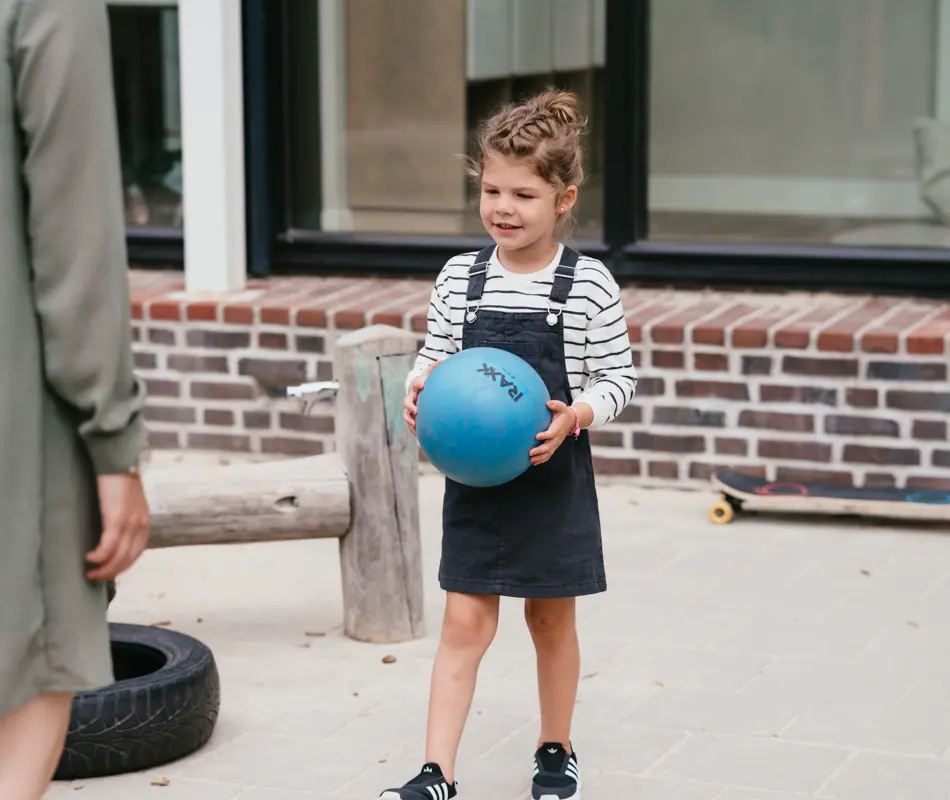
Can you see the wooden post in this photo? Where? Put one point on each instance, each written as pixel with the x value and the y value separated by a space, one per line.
pixel 381 554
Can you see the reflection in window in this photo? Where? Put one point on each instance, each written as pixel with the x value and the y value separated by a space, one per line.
pixel 804 122
pixel 401 88
pixel 145 71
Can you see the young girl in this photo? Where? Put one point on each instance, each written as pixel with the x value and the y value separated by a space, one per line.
pixel 537 537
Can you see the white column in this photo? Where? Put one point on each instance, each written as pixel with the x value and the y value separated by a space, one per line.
pixel 332 32
pixel 212 108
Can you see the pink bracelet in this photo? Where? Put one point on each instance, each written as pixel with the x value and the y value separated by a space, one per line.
pixel 577 423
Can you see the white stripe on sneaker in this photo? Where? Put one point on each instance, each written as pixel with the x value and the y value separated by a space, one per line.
pixel 436 795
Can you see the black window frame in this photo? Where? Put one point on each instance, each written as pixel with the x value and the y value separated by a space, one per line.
pixel 625 247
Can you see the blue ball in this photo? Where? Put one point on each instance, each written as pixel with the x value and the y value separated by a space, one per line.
pixel 479 415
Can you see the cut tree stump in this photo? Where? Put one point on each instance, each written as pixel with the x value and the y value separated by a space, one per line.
pixel 381 553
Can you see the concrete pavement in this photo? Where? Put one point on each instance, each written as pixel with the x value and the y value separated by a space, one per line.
pixel 770 659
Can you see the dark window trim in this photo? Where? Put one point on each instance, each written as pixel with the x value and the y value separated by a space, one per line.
pixel 155 248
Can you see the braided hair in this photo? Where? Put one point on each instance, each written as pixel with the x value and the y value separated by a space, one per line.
pixel 546 131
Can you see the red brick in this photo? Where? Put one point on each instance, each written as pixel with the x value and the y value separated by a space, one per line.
pixel 667 470
pixel 238 314
pixel 830 367
pixel 839 336
pixel 711 362
pixel 769 393
pixel 642 440
pixel 218 416
pixel 219 441
pixel 257 419
pixel 650 387
pixel 218 339
pixel 616 466
pixel 163 440
pixel 885 336
pixel 693 417
pixel 275 315
pixel 930 338
pixel 349 319
pixel 703 472
pixel 671 330
pixel 274 371
pixel 794 475
pixel 754 333
pixel 861 398
pixel 601 438
pixel 144 360
pixel 713 330
pixel 221 390
pixel 721 389
pixel 203 311
pixel 164 309
pixel 842 424
pixel 731 447
pixel 272 341
pixel 162 388
pixel 931 430
pixel 797 335
pixel 180 362
pixel 312 318
pixel 925 482
pixel 419 322
pixel 897 456
pixel 181 414
pixel 879 479
pixel 638 319
pixel 316 423
pixel 667 359
pixel 800 423
pixel 161 336
pixel 310 344
pixel 291 446
pixel 631 414
pixel 795 450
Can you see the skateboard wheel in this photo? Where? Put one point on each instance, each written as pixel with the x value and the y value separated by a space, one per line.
pixel 721 513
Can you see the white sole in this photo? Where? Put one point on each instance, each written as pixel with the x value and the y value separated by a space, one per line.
pixel 575 796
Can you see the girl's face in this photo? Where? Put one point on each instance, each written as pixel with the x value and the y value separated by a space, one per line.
pixel 519 208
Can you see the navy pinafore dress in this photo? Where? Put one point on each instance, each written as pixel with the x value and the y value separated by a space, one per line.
pixel 538 535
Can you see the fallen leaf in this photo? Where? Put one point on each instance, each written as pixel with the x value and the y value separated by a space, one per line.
pixel 389 659
pixel 590 675
pixel 865 573
pixel 77 788
pixel 305 645
pixel 199 620
pixel 162 624
pixel 659 683
pixel 912 623
pixel 314 633
pixel 161 782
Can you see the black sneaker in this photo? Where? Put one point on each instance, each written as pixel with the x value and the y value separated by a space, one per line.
pixel 429 784
pixel 556 775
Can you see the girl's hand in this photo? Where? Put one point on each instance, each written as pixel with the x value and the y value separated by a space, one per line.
pixel 561 426
pixel 409 403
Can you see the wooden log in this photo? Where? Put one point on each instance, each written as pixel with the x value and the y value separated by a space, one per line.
pixel 381 554
pixel 301 498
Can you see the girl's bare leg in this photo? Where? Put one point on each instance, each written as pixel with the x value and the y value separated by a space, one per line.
pixel 467 631
pixel 553 626
pixel 31 744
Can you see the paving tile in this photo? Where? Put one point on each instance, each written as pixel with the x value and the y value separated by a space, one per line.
pixel 755 763
pixel 139 785
pixel 881 776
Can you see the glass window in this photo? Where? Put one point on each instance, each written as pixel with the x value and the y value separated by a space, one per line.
pixel 383 97
pixel 800 122
pixel 145 71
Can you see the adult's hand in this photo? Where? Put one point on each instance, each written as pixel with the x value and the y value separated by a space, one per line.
pixel 125 526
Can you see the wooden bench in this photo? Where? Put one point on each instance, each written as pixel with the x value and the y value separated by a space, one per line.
pixel 366 494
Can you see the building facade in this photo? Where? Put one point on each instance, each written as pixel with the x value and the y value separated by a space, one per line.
pixel 744 157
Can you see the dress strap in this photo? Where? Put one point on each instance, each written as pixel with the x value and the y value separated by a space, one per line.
pixel 561 287
pixel 477 274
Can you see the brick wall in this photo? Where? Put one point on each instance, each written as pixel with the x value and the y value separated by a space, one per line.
pixel 846 389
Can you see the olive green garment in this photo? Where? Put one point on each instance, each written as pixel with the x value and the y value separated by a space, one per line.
pixel 69 401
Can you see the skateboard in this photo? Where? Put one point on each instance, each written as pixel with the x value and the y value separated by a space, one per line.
pixel 817 498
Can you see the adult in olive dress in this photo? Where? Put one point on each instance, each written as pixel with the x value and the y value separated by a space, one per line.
pixel 72 511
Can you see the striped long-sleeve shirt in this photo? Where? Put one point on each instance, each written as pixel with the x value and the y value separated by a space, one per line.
pixel 599 364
